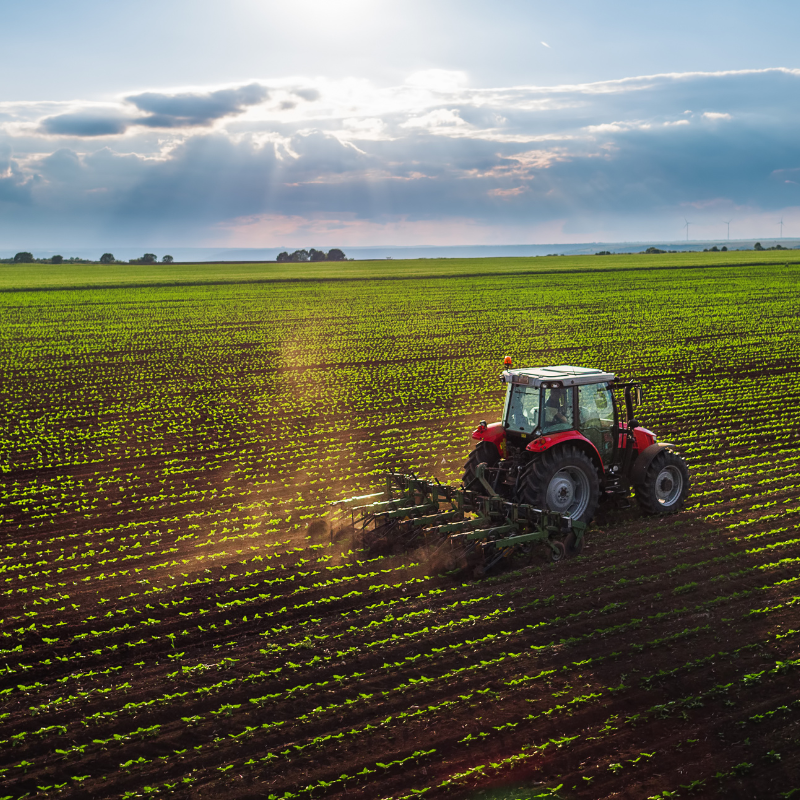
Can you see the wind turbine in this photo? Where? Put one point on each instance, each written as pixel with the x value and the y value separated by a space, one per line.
pixel 687 227
pixel 728 223
pixel 781 224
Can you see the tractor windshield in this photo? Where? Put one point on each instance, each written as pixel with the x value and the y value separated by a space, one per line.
pixel 522 408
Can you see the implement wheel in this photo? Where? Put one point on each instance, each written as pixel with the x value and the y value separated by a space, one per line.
pixel 558 552
pixel 665 486
pixel 484 453
pixel 562 480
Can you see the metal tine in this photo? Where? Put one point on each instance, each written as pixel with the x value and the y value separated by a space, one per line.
pixel 374 510
pixel 354 499
pixel 498 557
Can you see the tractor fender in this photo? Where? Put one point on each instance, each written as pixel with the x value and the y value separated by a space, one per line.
pixel 644 459
pixel 494 433
pixel 573 437
pixel 644 438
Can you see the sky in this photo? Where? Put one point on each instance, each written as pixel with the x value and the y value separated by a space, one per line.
pixel 336 123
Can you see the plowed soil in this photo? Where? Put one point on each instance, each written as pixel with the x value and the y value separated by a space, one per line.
pixel 183 615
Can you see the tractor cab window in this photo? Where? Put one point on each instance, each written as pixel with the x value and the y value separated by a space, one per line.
pixel 522 409
pixel 557 410
pixel 596 417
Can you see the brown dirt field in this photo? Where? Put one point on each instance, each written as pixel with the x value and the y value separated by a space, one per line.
pixel 177 622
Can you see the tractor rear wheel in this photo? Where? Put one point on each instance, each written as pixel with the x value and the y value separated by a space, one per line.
pixel 484 453
pixel 563 480
pixel 665 486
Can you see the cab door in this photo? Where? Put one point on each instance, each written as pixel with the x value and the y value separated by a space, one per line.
pixel 596 418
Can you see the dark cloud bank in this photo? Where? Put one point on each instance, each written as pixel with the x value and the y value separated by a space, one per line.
pixel 184 110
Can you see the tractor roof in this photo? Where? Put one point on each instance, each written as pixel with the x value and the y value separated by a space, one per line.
pixel 564 375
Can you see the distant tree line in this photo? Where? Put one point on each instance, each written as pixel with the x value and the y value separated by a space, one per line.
pixel 25 257
pixel 148 258
pixel 312 255
pixel 758 246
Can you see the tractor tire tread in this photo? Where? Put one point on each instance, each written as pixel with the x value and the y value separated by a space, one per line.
pixel 484 453
pixel 541 469
pixel 645 491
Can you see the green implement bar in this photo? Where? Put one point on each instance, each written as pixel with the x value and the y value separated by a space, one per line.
pixel 487 533
pixel 536 536
pixel 409 511
pixel 433 518
pixel 464 525
pixel 394 503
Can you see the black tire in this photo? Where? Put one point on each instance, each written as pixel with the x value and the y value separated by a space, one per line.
pixel 484 453
pixel 562 480
pixel 665 486
pixel 558 553
pixel 573 545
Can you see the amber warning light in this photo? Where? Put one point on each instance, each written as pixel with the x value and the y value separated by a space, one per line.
pixel 507 361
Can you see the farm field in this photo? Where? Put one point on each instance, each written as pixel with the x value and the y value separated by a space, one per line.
pixel 48 277
pixel 182 614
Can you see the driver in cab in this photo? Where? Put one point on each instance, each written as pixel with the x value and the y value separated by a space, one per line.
pixel 555 409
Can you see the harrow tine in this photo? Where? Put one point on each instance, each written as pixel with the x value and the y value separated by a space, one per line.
pixel 380 538
pixel 497 558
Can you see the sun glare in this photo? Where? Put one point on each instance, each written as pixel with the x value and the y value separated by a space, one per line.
pixel 317 17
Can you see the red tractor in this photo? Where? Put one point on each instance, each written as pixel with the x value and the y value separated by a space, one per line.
pixel 568 439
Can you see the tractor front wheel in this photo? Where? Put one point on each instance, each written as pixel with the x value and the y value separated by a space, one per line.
pixel 563 480
pixel 484 453
pixel 665 486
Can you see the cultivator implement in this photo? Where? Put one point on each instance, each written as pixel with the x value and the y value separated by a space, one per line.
pixel 459 527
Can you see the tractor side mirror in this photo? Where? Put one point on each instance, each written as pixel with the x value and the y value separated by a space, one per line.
pixel 637 395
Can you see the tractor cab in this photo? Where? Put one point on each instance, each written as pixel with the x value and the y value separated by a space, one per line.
pixel 546 401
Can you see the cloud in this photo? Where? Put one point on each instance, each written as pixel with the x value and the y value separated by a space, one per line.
pixel 398 160
pixel 15 186
pixel 515 192
pixel 187 109
pixel 162 110
pixel 310 95
pixel 85 124
pixel 64 165
pixel 435 120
